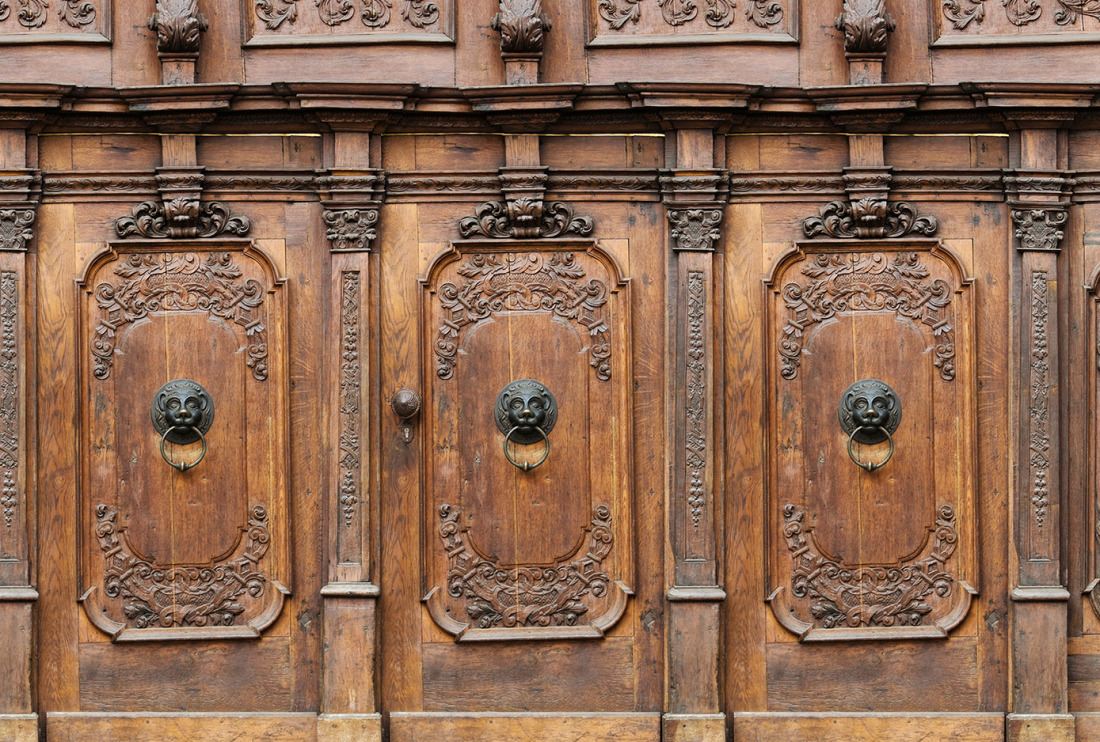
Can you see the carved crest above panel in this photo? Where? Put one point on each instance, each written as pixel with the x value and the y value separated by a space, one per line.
pixel 289 22
pixel 627 22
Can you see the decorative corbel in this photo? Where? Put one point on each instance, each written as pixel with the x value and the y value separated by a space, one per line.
pixel 524 218
pixel 181 213
pixel 868 214
pixel 179 26
pixel 866 26
pixel 523 27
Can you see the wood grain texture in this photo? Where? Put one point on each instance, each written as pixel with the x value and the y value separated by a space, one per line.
pixel 840 727
pixel 406 727
pixel 216 727
pixel 19 727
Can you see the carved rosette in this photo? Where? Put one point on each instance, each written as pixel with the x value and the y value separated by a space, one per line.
pixel 181 218
pixel 523 282
pixel 695 229
pixel 351 230
pixel 9 396
pixel 178 25
pixel 866 26
pixel 845 282
pixel 863 595
pixel 868 218
pixel 350 375
pixel 522 26
pixel 166 282
pixel 1039 229
pixel 522 218
pixel 168 595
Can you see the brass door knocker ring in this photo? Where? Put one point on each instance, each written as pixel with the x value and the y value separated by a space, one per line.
pixel 526 412
pixel 182 465
pixel 526 465
pixel 870 466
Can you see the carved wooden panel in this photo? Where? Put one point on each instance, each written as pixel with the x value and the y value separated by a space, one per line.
pixel 201 553
pixel 82 21
pixel 634 22
pixel 291 22
pixel 888 553
pixel 961 20
pixel 545 553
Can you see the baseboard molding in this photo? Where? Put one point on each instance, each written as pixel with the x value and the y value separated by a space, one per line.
pixel 19 727
pixel 507 727
pixel 163 727
pixel 868 727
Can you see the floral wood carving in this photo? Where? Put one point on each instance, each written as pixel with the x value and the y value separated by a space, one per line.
pixel 962 12
pixel 765 13
pixel 420 13
pixel 695 229
pixel 77 13
pixel 1039 433
pixel 696 432
pixel 866 26
pixel 155 595
pixel 335 12
pixel 351 229
pixel 9 396
pixel 524 217
pixel 525 595
pixel 522 26
pixel 853 282
pixel 1022 12
pixel 869 218
pixel 1069 10
pixel 167 282
pixel 678 12
pixel 1039 229
pixel 179 25
pixel 351 373
pixel 15 228
pixel 181 218
pixel 718 14
pixel 1019 12
pixel 523 282
pixel 275 12
pixel 32 13
pixel 843 595
pixel 618 12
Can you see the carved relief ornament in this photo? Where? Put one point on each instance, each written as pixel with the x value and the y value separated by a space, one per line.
pixel 178 25
pixel 9 396
pixel 522 26
pixel 524 217
pixel 373 14
pixel 717 14
pixel 351 229
pixel 181 218
pixel 866 26
pixel 33 13
pixel 1039 229
pixel 695 229
pixel 15 228
pixel 869 218
pixel 961 13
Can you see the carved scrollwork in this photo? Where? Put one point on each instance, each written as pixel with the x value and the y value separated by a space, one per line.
pixel 678 12
pixel 156 595
pixel 866 26
pixel 335 12
pixel 525 282
pixel 618 12
pixel 695 229
pixel 507 596
pixel 765 13
pixel 276 12
pixel 350 420
pixel 351 229
pixel 1022 12
pixel 77 13
pixel 181 218
pixel 1069 10
pixel 166 282
pixel 420 13
pixel 375 13
pixel 696 394
pixel 9 396
pixel 858 595
pixel 962 13
pixel 524 217
pixel 1038 412
pixel 15 228
pixel 178 25
pixel 1019 12
pixel 1039 229
pixel 522 26
pixel 869 218
pixel 845 282
pixel 32 13
pixel 719 13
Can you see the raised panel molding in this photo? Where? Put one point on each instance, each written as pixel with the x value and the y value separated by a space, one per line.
pixel 900 311
pixel 633 22
pixel 303 22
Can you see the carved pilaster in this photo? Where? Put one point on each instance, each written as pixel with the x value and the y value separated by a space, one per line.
pixel 15 228
pixel 1038 229
pixel 694 229
pixel 179 26
pixel 350 230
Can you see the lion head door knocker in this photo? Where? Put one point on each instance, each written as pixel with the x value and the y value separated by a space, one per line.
pixel 870 412
pixel 526 412
pixel 182 413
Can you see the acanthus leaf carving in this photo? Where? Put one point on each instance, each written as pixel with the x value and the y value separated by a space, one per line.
pixel 335 12
pixel 9 396
pixel 168 282
pixel 522 26
pixel 866 26
pixel 678 12
pixel 1022 12
pixel 617 14
pixel 32 13
pixel 178 25
pixel 77 13
pixel 696 395
pixel 276 12
pixel 1038 412
pixel 523 282
pixel 351 229
pixel 350 421
pixel 522 218
pixel 1069 10
pixel 1039 229
pixel 506 596
pixel 181 218
pixel 166 595
pixel 846 282
pixel 15 228
pixel 869 217
pixel 962 15
pixel 695 229
pixel 859 595
pixel 375 13
pixel 765 13
pixel 719 13
pixel 420 13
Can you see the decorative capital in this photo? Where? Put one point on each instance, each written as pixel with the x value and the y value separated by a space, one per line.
pixel 15 229
pixel 522 26
pixel 181 218
pixel 869 218
pixel 351 230
pixel 179 25
pixel 1039 229
pixel 866 25
pixel 524 218
pixel 695 229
